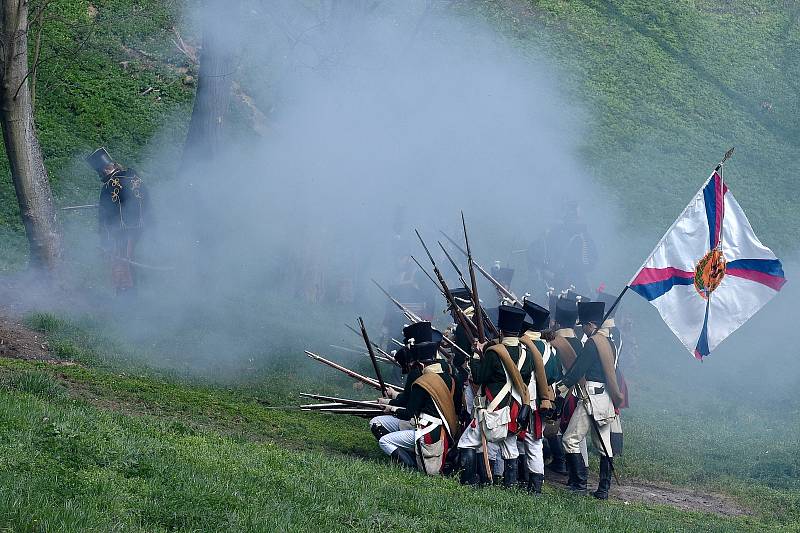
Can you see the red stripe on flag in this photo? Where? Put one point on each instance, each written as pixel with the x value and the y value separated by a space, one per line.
pixel 654 275
pixel 773 282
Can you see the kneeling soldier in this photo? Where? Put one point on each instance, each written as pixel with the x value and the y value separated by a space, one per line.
pixel 431 411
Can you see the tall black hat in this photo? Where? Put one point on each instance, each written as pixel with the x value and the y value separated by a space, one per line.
pixel 575 296
pixel 509 319
pixel 566 312
pixel 419 331
pixel 503 275
pixel 591 312
pixel 402 357
pixel 99 159
pixel 609 300
pixel 540 317
pixel 424 351
pixel 462 297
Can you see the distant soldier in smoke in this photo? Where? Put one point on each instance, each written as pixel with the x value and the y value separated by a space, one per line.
pixel 122 207
pixel 566 253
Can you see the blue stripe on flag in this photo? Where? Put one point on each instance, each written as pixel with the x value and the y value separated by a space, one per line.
pixel 772 267
pixel 702 343
pixel 710 197
pixel 651 291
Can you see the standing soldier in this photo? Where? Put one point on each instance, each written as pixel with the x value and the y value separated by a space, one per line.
pixel 122 206
pixel 431 411
pixel 502 370
pixel 594 378
pixel 615 337
pixel 567 347
pixel 540 392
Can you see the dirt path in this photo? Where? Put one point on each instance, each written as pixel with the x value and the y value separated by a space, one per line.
pixel 19 342
pixel 658 493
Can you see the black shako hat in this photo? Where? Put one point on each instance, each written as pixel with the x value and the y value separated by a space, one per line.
pixel 591 312
pixel 419 331
pixel 462 297
pixel 540 317
pixel 401 357
pixel 566 312
pixel 609 300
pixel 503 275
pixel 99 160
pixel 424 351
pixel 509 319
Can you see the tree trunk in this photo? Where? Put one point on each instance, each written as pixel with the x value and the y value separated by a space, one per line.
pixel 22 146
pixel 212 99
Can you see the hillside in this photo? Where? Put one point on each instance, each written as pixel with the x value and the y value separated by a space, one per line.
pixel 93 444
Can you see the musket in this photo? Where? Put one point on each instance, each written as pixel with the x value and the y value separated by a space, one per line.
pixel 355 375
pixel 363 403
pixel 415 318
pixel 372 357
pixel 364 413
pixel 497 285
pixel 453 263
pixel 406 311
pixel 475 299
pixel 429 276
pixel 385 355
pixel 447 294
pixel 75 207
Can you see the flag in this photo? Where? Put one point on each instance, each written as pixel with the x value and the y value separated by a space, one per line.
pixel 709 273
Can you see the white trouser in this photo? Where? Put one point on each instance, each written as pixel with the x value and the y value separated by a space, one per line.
pixel 534 454
pixel 471 439
pixel 398 439
pixel 390 423
pixel 616 425
pixel 579 426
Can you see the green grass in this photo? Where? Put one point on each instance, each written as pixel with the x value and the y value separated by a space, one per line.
pixel 167 456
pixel 106 446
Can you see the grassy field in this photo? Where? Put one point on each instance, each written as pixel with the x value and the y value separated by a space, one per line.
pixel 105 446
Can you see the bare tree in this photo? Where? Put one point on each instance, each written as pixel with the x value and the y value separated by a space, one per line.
pixel 19 135
pixel 212 99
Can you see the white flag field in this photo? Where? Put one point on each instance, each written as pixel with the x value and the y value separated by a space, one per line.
pixel 709 273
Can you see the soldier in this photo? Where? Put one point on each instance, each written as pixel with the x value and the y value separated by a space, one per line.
pixel 122 206
pixel 567 347
pixel 502 370
pixel 598 395
pixel 540 392
pixel 565 253
pixel 430 410
pixel 615 336
pixel 412 334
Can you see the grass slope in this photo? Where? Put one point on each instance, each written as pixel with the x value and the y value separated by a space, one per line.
pixel 105 446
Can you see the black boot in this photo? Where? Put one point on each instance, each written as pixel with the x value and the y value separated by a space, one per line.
pixel 577 472
pixel 557 465
pixel 469 473
pixel 523 476
pixel 402 457
pixel 535 482
pixel 605 479
pixel 510 473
